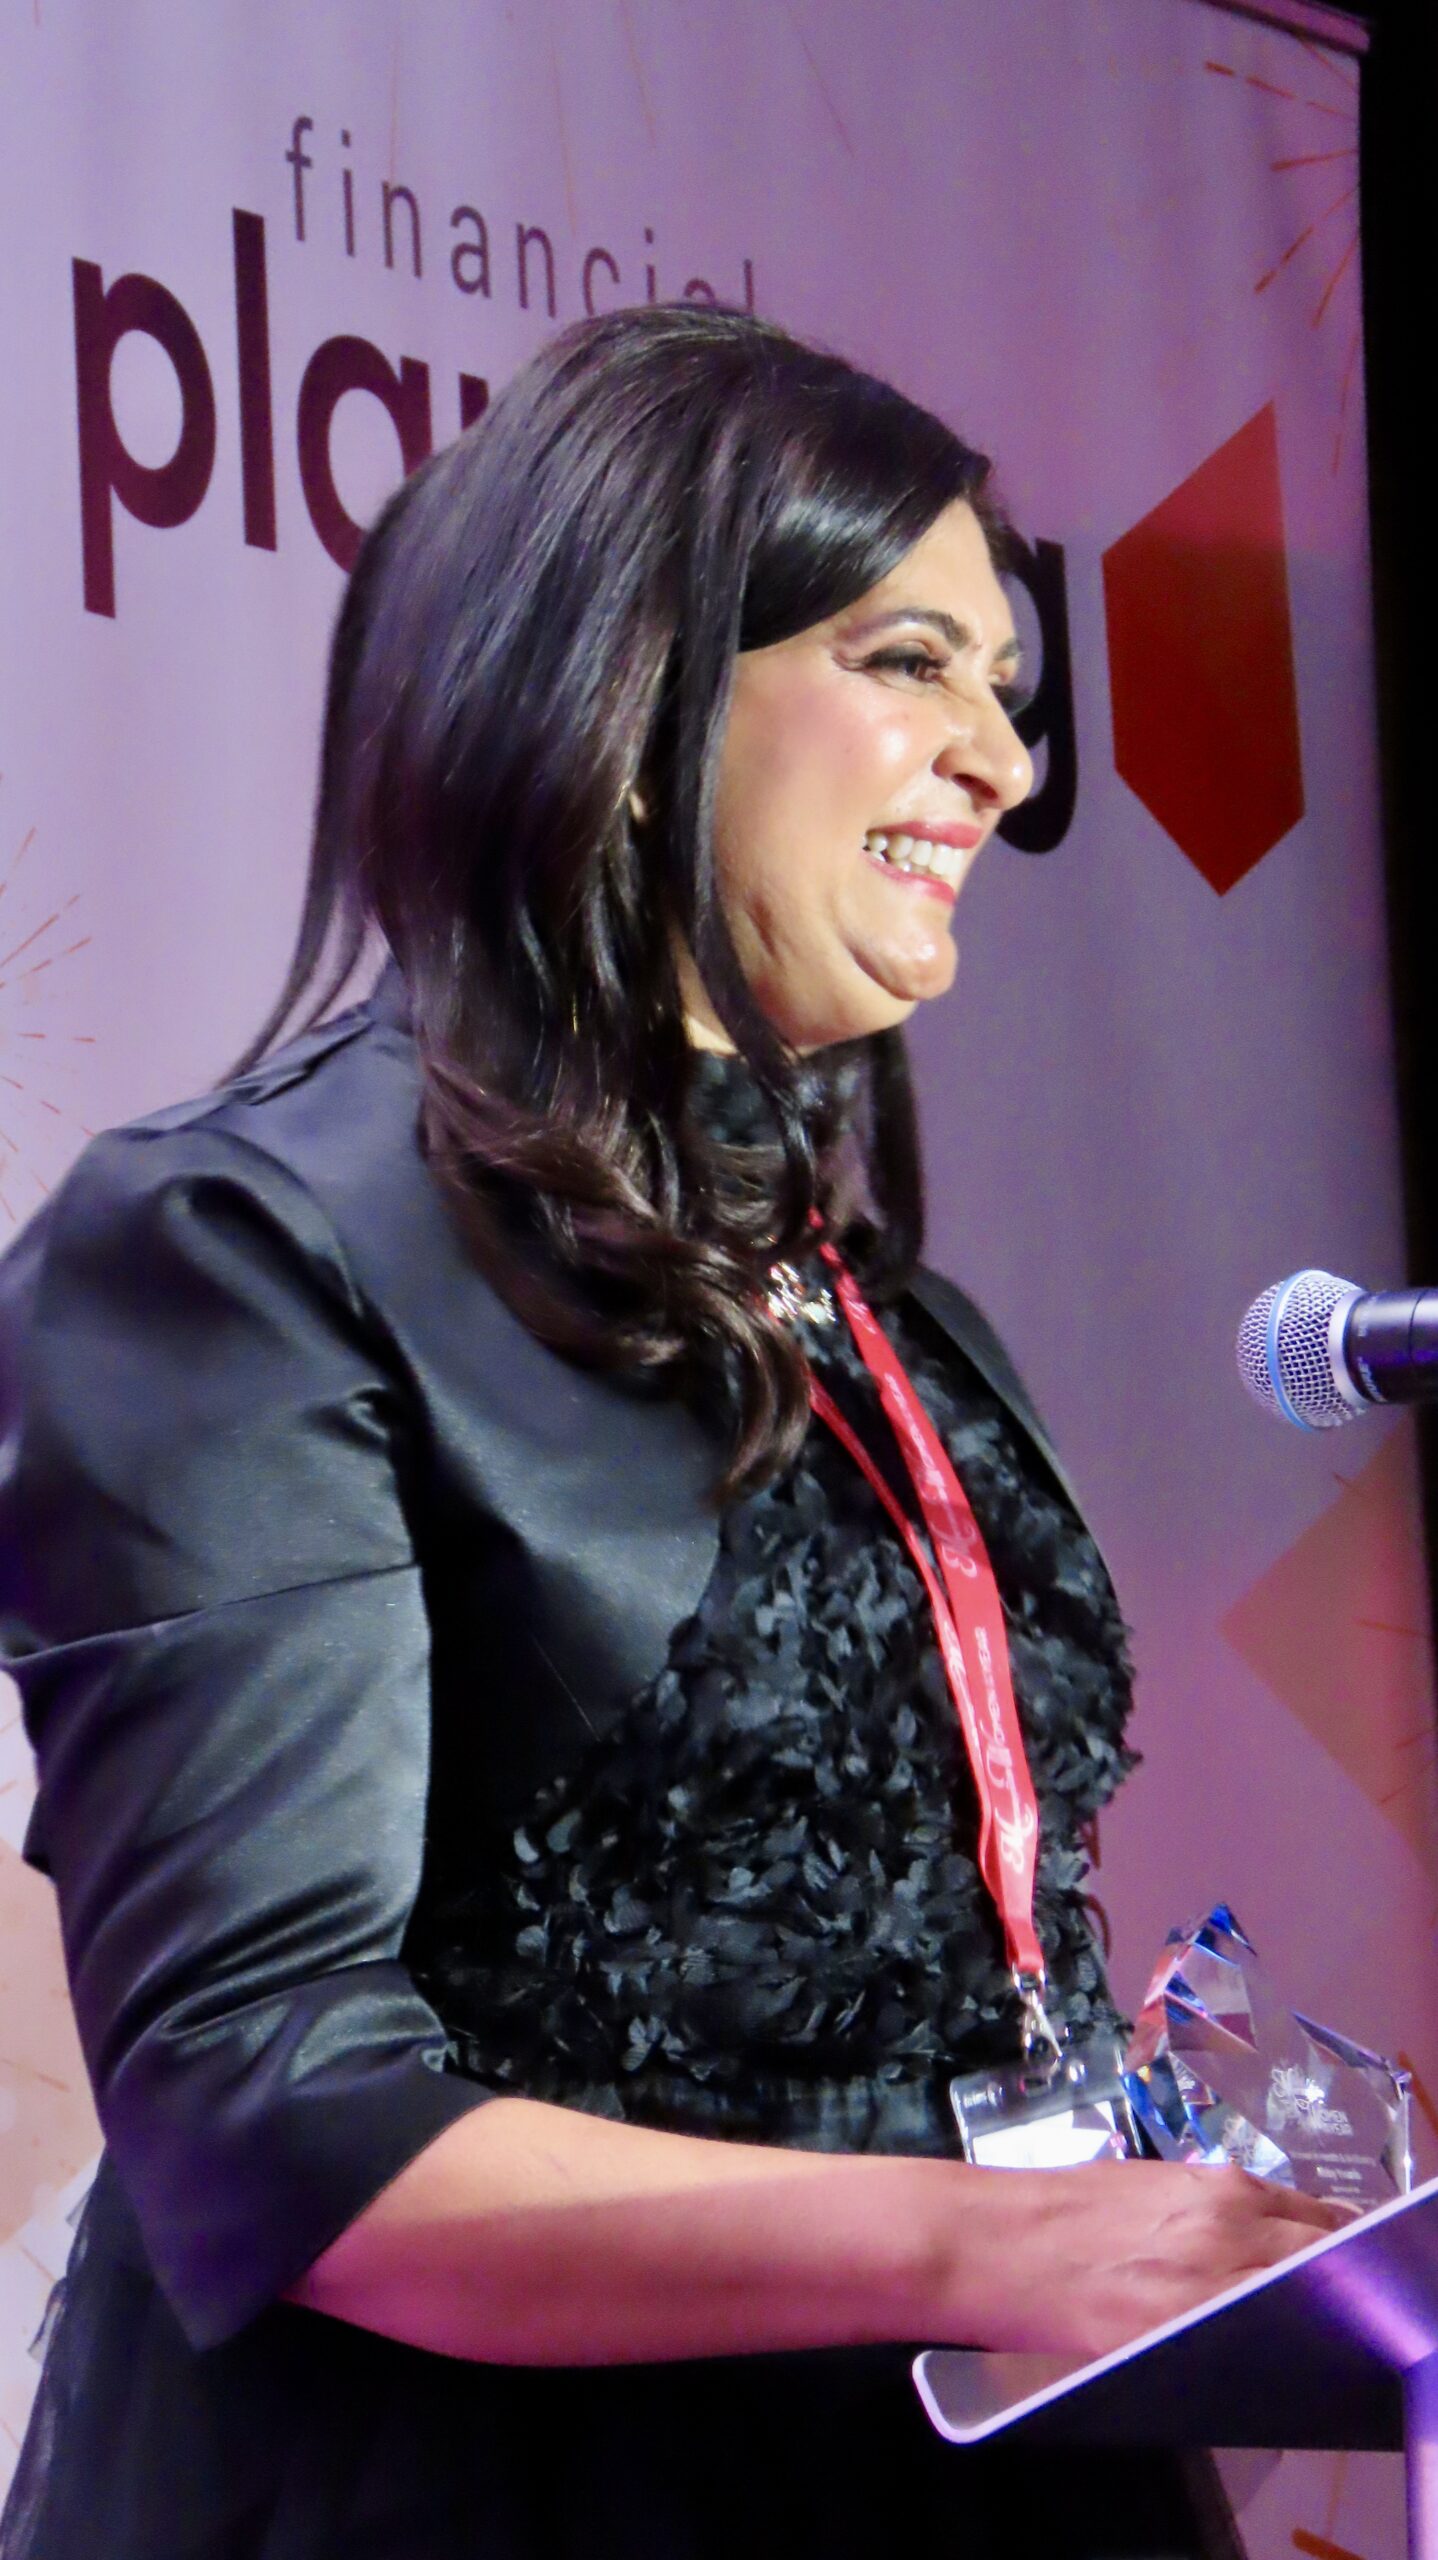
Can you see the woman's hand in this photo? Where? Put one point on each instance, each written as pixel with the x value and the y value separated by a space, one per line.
pixel 1095 2256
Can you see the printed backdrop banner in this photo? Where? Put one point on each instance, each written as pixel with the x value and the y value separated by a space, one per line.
pixel 258 259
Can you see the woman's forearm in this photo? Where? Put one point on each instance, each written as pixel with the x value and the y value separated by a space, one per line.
pixel 534 2234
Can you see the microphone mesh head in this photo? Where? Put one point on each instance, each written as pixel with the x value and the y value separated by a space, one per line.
pixel 1284 1358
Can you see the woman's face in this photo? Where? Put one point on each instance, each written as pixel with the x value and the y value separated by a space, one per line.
pixel 865 763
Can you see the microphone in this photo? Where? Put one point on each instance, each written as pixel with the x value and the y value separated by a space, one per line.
pixel 1320 1351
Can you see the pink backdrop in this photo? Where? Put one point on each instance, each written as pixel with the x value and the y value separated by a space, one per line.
pixel 1115 241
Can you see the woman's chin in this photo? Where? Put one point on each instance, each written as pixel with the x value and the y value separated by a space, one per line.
pixel 876 986
pixel 913 971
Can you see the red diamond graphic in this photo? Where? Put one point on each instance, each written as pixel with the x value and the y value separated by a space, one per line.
pixel 1200 647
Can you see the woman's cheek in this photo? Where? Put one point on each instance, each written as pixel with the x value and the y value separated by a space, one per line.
pixel 893 749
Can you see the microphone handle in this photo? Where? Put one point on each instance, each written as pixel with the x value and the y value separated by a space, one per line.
pixel 1390 1345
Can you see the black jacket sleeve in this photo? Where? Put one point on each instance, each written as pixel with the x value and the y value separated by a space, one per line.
pixel 210 1598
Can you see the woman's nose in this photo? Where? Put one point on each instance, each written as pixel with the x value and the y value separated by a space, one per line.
pixel 989 757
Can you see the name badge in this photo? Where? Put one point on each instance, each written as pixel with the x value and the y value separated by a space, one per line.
pixel 1049 2111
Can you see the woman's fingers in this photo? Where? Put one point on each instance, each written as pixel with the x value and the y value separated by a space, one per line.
pixel 1322 2213
pixel 1284 2217
pixel 1280 2234
pixel 1101 2254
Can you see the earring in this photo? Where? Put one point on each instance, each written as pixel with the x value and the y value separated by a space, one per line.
pixel 636 803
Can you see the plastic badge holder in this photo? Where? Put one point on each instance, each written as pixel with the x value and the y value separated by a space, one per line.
pixel 1048 2112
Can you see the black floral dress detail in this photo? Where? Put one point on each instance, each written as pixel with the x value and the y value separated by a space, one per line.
pixel 761 1887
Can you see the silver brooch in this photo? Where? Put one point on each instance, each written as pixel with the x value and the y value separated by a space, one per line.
pixel 792 1300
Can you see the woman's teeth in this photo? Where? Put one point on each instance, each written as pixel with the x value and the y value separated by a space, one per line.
pixel 916 853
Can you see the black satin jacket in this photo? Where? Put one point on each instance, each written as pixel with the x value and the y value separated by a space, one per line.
pixel 308 1551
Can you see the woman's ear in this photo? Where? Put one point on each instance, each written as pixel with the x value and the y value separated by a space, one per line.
pixel 637 804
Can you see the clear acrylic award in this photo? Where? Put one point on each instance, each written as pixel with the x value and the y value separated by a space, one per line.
pixel 1219 2070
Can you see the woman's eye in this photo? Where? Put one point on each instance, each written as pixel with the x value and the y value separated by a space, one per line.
pixel 913 662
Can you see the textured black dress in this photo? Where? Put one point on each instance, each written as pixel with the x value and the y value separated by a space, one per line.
pixel 751 1910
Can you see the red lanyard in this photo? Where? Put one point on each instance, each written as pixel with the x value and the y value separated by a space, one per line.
pixel 969 1623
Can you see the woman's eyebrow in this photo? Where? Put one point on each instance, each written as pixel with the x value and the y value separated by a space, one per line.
pixel 957 634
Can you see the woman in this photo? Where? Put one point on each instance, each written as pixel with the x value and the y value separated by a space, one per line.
pixel 521 1877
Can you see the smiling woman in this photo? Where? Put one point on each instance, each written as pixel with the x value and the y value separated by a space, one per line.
pixel 859 779
pixel 565 1672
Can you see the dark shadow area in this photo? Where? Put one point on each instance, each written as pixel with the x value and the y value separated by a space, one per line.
pixel 1399 170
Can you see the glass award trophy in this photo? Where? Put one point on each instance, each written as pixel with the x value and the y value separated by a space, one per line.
pixel 1219 2070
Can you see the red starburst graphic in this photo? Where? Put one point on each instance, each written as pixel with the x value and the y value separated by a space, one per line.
pixel 1323 161
pixel 40 931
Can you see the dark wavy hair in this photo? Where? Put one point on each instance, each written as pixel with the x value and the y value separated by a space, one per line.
pixel 545 615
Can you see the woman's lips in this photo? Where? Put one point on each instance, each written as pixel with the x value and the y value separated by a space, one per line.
pixel 919 880
pixel 950 832
pixel 927 854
